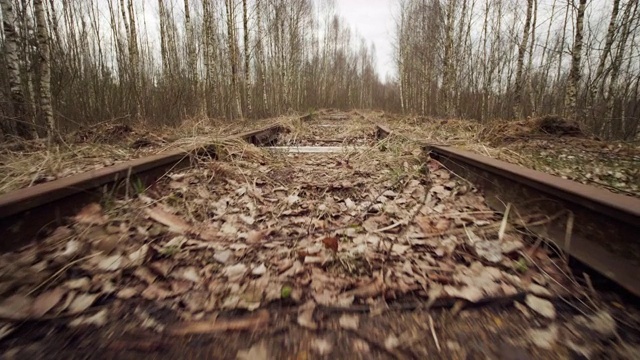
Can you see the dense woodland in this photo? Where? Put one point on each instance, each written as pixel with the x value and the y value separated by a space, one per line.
pixel 72 63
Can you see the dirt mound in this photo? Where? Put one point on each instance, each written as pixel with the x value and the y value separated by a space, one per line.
pixel 550 125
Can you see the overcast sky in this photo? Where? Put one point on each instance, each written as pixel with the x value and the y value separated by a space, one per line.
pixel 374 20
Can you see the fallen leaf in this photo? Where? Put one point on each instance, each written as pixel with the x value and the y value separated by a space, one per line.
pixel 470 293
pixel 179 287
pixel 138 257
pixel 82 284
pixel 127 293
pixel 111 263
pixel 256 352
pixel 222 256
pixel 321 346
pixel 544 338
pixel 145 275
pixel 259 270
pixel 292 199
pixel 255 236
pixel 176 242
pixel 229 228
pixel 162 267
pixel 247 219
pixel 99 319
pixel 175 223
pixel 601 322
pixel 539 290
pixel 372 289
pixel 82 302
pixel 391 342
pixel 305 316
pixel 71 248
pixel 254 321
pixel 541 306
pixel 349 322
pixel 155 292
pixel 235 272
pixel 46 301
pixel 360 346
pixel 16 307
pixel 187 273
pixel 6 329
pixel 331 242
pixel 91 215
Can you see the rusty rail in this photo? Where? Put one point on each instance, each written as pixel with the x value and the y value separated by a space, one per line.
pixel 26 212
pixel 599 228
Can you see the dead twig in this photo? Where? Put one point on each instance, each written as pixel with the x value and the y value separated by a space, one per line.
pixel 433 333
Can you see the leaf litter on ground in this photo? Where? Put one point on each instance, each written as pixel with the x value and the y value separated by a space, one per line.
pixel 308 230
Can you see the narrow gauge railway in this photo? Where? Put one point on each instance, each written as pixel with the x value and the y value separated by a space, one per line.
pixel 352 248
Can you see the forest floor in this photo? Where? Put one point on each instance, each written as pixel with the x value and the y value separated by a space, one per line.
pixel 611 165
pixel 372 252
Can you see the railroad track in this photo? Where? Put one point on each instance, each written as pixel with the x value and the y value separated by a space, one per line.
pixel 305 183
pixel 599 228
pixel 25 213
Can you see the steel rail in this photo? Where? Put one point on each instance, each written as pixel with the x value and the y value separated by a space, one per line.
pixel 598 228
pixel 24 213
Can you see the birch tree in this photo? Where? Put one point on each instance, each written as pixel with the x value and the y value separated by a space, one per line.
pixel 19 125
pixel 46 108
pixel 575 72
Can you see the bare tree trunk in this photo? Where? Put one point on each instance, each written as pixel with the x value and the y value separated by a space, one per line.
pixel 574 74
pixel 20 126
pixel 517 107
pixel 616 63
pixel 448 76
pixel 164 50
pixel 134 55
pixel 247 69
pixel 190 42
pixel 529 81
pixel 233 51
pixel 46 108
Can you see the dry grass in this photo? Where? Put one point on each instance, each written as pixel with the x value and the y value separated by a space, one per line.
pixel 24 164
pixel 610 165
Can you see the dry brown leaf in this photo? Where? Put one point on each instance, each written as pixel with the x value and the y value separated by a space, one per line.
pixel 98 319
pixel 155 292
pixel 321 346
pixel 187 273
pixel 91 215
pixel 145 275
pixel 256 352
pixel 82 284
pixel 372 289
pixel 127 293
pixel 179 287
pixel 255 236
pixel 235 272
pixel 161 267
pixel 349 322
pixel 254 321
pixel 175 223
pixel 111 263
pixel 305 316
pixel 46 301
pixel 82 302
pixel 541 306
pixel 6 329
pixel 16 307
pixel 331 242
